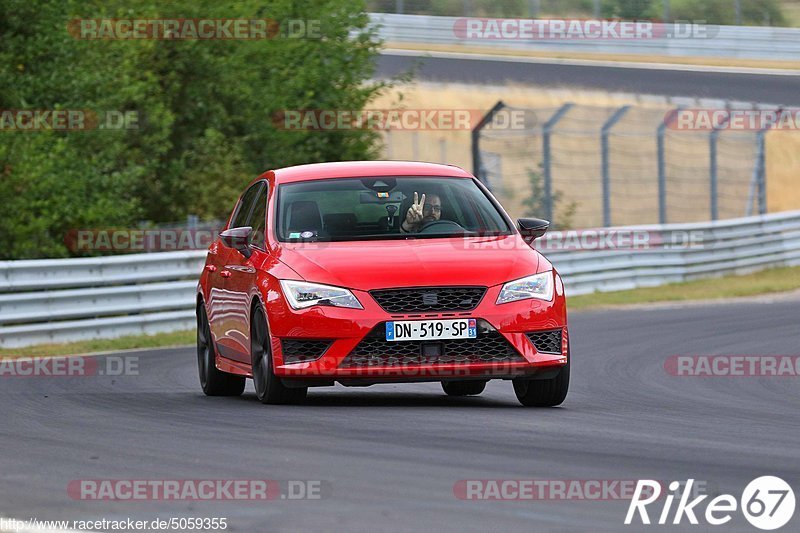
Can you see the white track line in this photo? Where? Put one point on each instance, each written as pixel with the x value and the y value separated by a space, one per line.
pixel 591 62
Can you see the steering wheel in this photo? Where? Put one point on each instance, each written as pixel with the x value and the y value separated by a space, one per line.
pixel 442 226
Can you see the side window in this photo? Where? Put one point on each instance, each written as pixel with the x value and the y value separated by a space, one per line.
pixel 245 206
pixel 258 219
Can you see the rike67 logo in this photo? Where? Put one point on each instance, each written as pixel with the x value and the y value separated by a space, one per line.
pixel 767 503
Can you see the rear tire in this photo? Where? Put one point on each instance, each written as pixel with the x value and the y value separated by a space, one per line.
pixel 463 388
pixel 269 387
pixel 213 381
pixel 543 392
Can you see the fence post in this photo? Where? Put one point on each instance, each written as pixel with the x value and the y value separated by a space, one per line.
pixel 762 172
pixel 546 160
pixel 712 149
pixel 662 166
pixel 761 164
pixel 476 138
pixel 618 114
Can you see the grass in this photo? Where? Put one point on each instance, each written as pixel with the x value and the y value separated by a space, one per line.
pixel 159 340
pixel 771 281
pixel 791 10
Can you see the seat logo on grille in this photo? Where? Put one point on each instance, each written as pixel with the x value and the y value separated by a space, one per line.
pixel 430 298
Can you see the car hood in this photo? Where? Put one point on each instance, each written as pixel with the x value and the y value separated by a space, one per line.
pixel 367 265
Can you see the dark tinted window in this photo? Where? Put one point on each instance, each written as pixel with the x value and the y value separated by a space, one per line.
pixel 245 206
pixel 374 208
pixel 258 219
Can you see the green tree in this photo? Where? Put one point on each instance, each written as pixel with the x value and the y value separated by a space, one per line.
pixel 536 203
pixel 205 111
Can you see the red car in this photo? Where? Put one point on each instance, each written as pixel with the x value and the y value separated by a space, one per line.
pixel 379 272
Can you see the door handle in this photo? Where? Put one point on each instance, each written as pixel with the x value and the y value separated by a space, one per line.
pixel 211 268
pixel 225 273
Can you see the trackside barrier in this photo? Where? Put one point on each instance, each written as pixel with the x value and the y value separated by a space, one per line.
pixel 63 300
pixel 745 42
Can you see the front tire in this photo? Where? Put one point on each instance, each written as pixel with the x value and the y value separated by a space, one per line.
pixel 543 392
pixel 463 388
pixel 269 387
pixel 213 381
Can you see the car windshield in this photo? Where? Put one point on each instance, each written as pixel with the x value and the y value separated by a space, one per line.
pixel 350 209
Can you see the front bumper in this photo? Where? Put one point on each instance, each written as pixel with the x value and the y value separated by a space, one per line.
pixel 345 329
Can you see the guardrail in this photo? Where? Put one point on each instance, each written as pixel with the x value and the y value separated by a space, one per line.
pixel 62 300
pixel 745 42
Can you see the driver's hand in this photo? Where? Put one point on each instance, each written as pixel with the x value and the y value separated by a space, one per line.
pixel 414 213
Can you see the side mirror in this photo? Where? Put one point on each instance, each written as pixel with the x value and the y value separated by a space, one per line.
pixel 532 228
pixel 238 239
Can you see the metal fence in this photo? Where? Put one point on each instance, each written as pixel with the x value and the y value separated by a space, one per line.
pixel 63 300
pixel 745 42
pixel 583 166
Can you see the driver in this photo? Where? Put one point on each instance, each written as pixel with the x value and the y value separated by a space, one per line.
pixel 421 213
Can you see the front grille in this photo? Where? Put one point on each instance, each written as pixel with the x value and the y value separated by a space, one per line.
pixel 301 350
pixel 428 299
pixel 546 341
pixel 374 350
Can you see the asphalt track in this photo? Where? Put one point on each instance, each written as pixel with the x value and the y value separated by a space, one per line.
pixel 747 87
pixel 390 455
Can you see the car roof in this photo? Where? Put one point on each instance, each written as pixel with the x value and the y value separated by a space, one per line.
pixel 362 169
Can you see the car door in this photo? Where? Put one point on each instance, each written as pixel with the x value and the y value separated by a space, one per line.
pixel 215 264
pixel 225 304
pixel 241 279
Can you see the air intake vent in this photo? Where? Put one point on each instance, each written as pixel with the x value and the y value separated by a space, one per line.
pixel 429 299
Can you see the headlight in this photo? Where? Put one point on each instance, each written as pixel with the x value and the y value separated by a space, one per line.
pixel 539 286
pixel 302 294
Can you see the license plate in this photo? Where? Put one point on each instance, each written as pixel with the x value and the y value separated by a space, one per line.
pixel 423 330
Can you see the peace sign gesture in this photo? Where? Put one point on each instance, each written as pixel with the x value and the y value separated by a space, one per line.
pixel 414 214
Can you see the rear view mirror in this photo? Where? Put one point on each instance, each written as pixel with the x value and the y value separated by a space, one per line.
pixel 238 239
pixel 532 228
